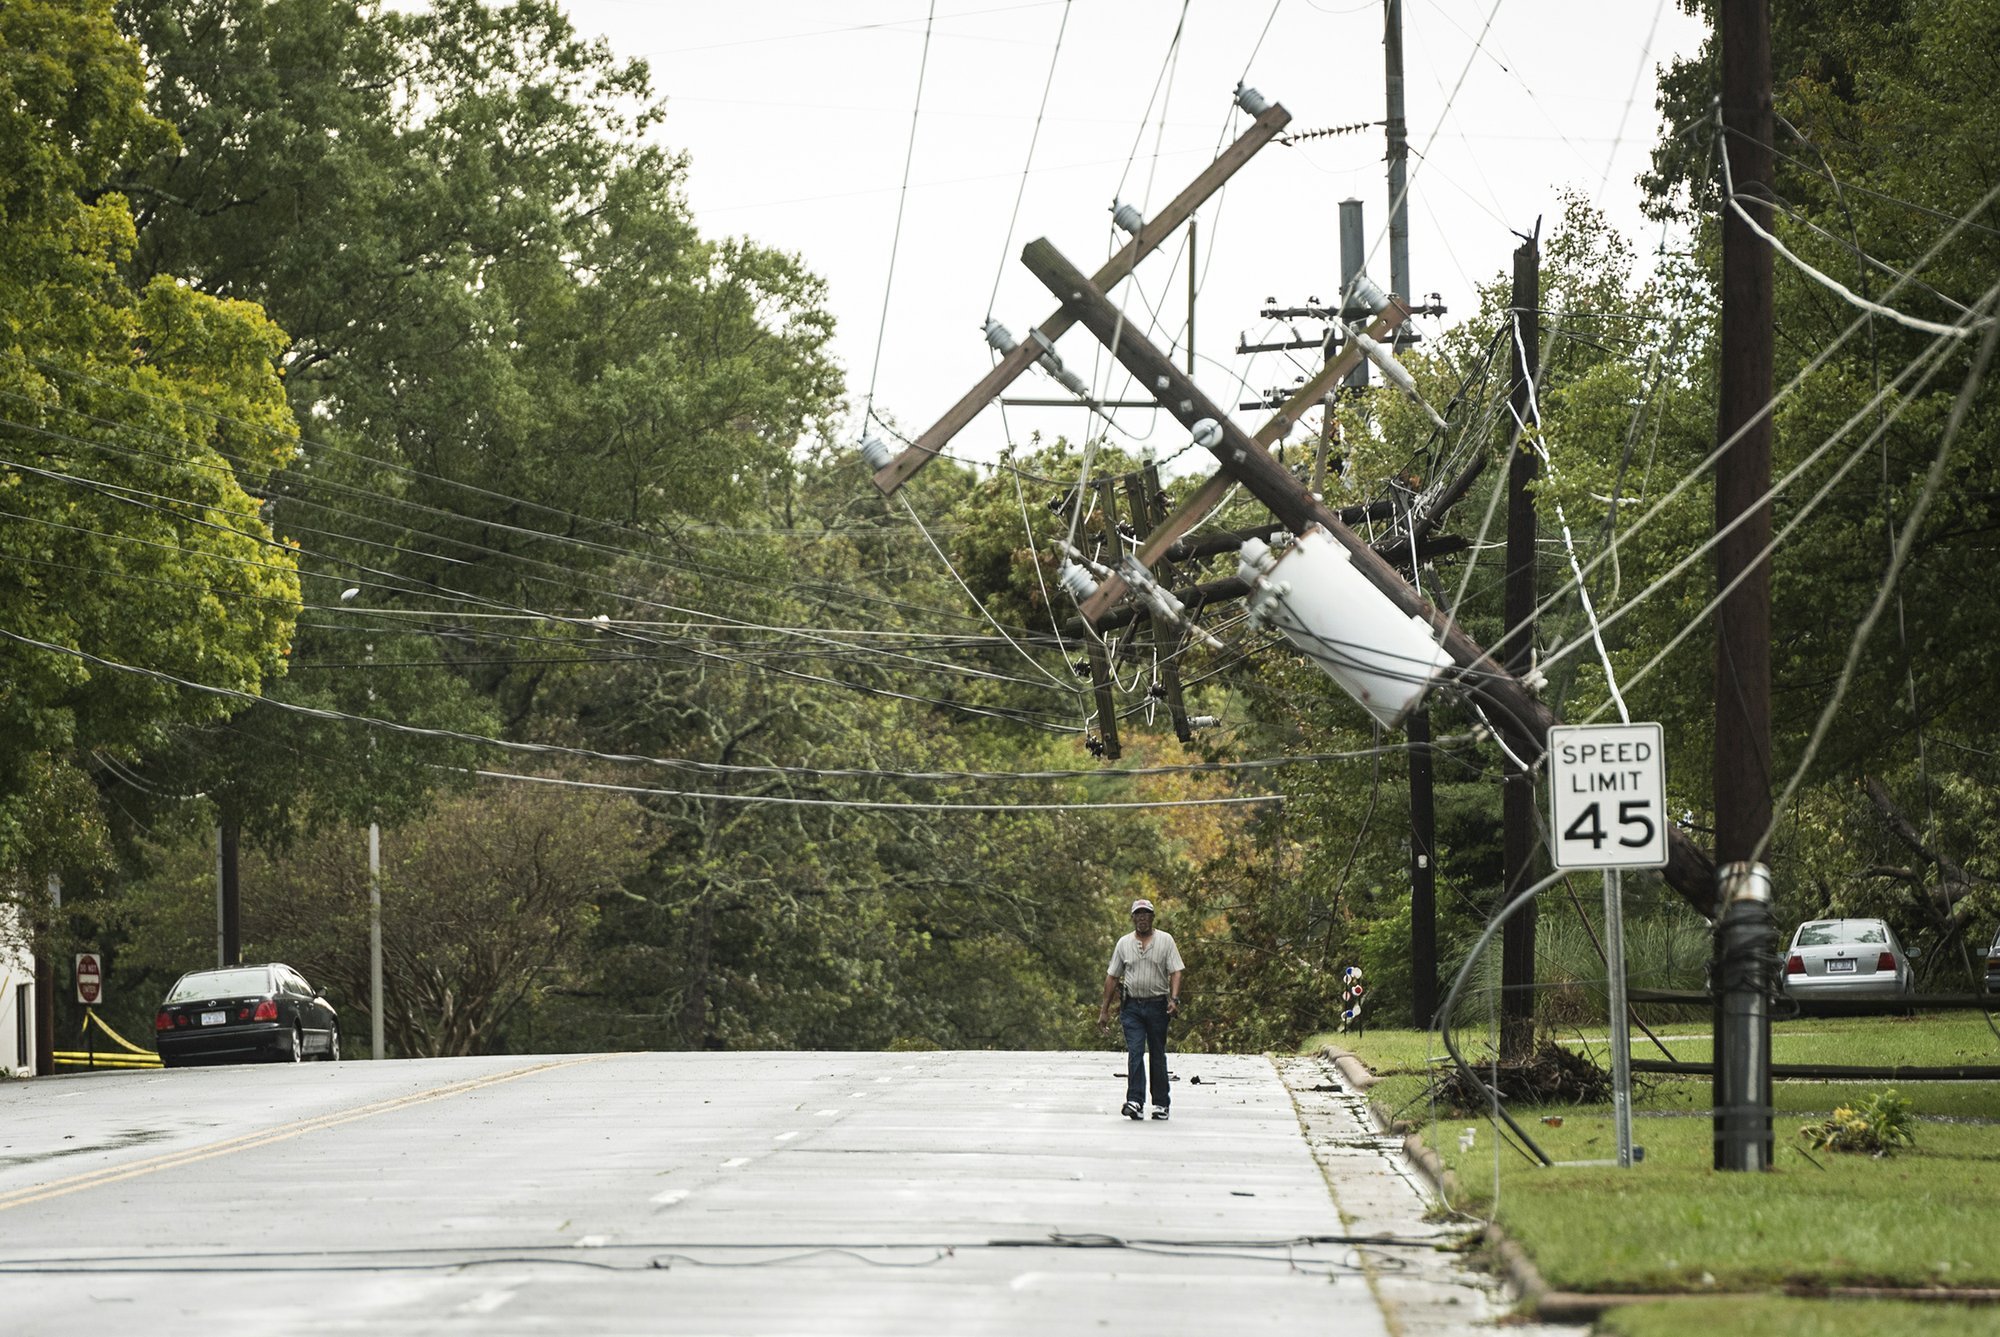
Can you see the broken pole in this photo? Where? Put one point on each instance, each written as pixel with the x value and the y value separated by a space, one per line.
pixel 1210 494
pixel 1512 709
pixel 1144 242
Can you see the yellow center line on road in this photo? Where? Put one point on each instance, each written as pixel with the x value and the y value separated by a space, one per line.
pixel 112 1174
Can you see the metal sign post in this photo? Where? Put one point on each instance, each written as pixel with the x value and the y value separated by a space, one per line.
pixel 1621 1030
pixel 89 992
pixel 1608 807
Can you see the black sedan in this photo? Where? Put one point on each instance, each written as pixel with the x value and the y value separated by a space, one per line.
pixel 240 1014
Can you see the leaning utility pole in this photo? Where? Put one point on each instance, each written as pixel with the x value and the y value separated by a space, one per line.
pixel 1745 937
pixel 1516 650
pixel 1520 718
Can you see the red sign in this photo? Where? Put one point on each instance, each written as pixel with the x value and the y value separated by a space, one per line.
pixel 89 978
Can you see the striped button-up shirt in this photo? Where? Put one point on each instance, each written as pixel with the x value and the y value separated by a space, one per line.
pixel 1146 969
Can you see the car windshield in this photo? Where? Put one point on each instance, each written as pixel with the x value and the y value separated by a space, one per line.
pixel 221 984
pixel 1840 931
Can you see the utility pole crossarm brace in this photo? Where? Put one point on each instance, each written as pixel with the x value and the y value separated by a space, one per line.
pixel 1210 494
pixel 1523 720
pixel 1144 242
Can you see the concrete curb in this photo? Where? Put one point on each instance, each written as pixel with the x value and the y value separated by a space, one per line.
pixel 1511 1259
pixel 1535 1296
pixel 1527 1279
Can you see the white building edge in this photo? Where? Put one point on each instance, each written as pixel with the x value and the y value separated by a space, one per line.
pixel 17 996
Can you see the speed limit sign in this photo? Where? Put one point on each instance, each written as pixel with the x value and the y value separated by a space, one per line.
pixel 1608 796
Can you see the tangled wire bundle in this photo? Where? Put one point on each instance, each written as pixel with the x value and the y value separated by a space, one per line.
pixel 1552 1075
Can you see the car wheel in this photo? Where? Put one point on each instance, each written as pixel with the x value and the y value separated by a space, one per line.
pixel 333 1044
pixel 297 1052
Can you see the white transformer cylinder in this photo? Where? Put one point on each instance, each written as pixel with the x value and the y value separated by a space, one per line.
pixel 1382 656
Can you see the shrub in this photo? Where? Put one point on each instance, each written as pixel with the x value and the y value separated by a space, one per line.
pixel 1878 1126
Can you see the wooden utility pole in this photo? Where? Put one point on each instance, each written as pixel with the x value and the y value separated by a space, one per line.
pixel 1145 241
pixel 1521 719
pixel 1103 671
pixel 1423 873
pixel 1423 805
pixel 1149 508
pixel 45 983
pixel 1396 130
pixel 229 892
pixel 1209 495
pixel 1516 651
pixel 1742 777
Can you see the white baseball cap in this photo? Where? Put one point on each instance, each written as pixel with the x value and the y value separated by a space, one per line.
pixel 1141 904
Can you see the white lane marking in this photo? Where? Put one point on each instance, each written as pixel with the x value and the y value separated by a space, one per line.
pixel 593 1241
pixel 735 1161
pixel 786 1137
pixel 670 1197
pixel 485 1302
pixel 880 1080
pixel 858 1095
pixel 828 1114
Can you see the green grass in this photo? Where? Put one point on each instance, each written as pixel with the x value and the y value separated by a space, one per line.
pixel 1922 1217
pixel 1779 1316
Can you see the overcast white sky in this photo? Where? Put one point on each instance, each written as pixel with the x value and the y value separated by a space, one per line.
pixel 797 117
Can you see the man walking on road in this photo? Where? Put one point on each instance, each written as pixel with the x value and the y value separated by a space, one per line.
pixel 1148 965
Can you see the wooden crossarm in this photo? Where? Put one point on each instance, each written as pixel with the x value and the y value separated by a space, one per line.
pixel 1144 242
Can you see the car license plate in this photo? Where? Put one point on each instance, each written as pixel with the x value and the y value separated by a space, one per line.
pixel 1840 967
pixel 214 1018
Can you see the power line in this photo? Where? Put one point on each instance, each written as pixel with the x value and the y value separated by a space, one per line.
pixel 896 237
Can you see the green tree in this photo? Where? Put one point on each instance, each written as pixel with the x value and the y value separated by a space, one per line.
pixel 132 417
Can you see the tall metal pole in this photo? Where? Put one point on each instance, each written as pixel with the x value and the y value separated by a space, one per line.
pixel 1621 1024
pixel 374 940
pixel 1745 936
pixel 1397 134
pixel 1516 651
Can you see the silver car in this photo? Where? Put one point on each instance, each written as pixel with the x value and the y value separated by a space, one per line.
pixel 1846 958
pixel 1993 965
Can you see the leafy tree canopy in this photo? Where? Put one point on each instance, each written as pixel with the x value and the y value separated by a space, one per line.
pixel 132 416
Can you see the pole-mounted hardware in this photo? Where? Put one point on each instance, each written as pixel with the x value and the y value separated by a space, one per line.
pixel 1523 720
pixel 1271 119
pixel 1746 944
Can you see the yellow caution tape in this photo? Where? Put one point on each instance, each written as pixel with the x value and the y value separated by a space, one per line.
pixel 90 1015
pixel 112 1059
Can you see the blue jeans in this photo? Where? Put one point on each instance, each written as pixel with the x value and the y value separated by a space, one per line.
pixel 1144 1021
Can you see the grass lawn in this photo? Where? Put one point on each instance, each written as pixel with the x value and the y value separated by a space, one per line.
pixel 1922 1217
pixel 1778 1316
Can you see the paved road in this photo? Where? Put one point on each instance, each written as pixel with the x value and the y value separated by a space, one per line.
pixel 706 1193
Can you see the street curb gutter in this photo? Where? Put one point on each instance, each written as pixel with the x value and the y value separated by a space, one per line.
pixel 1581 1306
pixel 1512 1259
